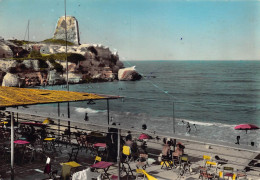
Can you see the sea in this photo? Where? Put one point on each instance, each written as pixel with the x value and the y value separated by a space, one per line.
pixel 213 96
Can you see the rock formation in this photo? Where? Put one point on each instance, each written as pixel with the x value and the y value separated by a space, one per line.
pixel 5 50
pixel 24 63
pixel 72 29
pixel 128 74
pixel 11 80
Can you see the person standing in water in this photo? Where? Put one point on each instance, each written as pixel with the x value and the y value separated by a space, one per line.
pixel 188 129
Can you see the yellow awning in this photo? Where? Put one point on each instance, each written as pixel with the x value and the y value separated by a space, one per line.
pixel 11 96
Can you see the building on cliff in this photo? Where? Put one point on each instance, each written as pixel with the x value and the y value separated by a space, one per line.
pixel 72 29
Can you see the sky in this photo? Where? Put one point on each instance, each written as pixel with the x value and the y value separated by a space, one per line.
pixel 146 29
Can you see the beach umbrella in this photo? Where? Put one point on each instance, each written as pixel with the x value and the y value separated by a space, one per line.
pixel 246 127
pixel 144 136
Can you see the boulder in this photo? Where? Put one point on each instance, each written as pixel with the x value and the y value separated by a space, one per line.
pixel 11 80
pixel 128 74
pixel 5 65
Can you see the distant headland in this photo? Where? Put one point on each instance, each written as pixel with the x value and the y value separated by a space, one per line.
pixel 26 63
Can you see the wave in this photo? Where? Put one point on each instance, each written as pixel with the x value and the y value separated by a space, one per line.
pixel 181 121
pixel 87 110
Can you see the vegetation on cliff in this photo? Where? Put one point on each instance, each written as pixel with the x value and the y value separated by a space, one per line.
pixel 58 42
pixel 20 42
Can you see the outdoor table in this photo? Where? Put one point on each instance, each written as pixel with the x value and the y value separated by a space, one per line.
pixel 21 142
pixel 103 145
pixel 103 165
pixel 72 164
pixel 100 149
pixel 50 141
pixel 20 150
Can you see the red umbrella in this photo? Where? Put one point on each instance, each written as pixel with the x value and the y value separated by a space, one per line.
pixel 246 127
pixel 144 136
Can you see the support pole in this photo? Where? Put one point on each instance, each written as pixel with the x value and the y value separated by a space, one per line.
pixel 59 127
pixel 58 120
pixel 58 109
pixel 173 117
pixel 107 111
pixel 69 128
pixel 118 151
pixel 12 146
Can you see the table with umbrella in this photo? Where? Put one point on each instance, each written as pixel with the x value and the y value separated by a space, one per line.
pixel 245 127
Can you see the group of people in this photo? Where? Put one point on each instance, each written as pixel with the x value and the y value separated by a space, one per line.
pixel 188 127
pixel 171 150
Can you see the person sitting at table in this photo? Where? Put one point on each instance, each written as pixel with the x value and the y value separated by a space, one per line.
pixel 179 150
pixel 142 160
pixel 166 149
pixel 128 140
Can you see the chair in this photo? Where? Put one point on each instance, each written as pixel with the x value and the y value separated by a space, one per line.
pixel 209 171
pixel 205 159
pixel 29 154
pixel 142 161
pixel 97 159
pixel 65 172
pixel 126 154
pixel 241 174
pixel 184 165
pixel 73 154
pixel 166 162
pixel 228 172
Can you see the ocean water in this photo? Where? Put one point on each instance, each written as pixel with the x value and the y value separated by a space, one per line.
pixel 213 95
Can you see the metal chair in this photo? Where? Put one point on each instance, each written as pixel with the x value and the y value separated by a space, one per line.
pixel 126 153
pixel 73 154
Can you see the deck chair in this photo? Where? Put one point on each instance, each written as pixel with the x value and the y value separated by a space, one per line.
pixel 73 154
pixel 126 154
pixel 166 162
pixel 145 174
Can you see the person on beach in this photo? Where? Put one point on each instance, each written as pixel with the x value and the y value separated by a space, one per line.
pixel 238 138
pixel 195 126
pixel 112 143
pixel 188 129
pixel 86 117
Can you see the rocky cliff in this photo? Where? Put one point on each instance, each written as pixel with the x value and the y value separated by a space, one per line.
pixel 24 63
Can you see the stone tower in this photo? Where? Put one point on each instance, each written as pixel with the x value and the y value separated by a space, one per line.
pixel 72 29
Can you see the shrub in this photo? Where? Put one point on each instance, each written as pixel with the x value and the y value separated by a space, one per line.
pixel 58 41
pixel 34 54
